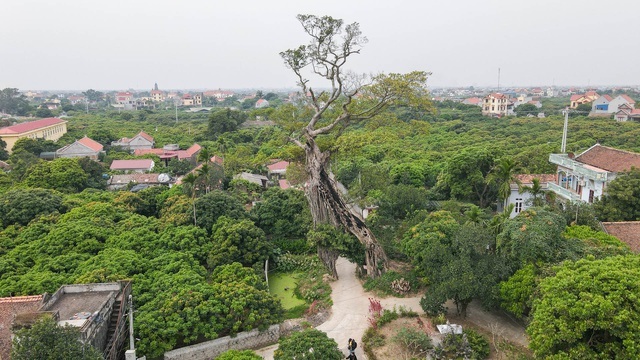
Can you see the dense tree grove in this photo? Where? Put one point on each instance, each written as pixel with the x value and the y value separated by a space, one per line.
pixel 435 182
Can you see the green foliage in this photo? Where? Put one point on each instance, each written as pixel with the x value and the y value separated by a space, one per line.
pixel 372 338
pixel 217 203
pixel 387 316
pixel 290 262
pixel 13 102
pixel 382 284
pixel 35 146
pixel 527 109
pixel 237 241
pixel 47 340
pixel 415 342
pixel 479 344
pixel 621 202
pixel 532 236
pixel 466 176
pixel 60 174
pixel 588 310
pixel 226 120
pixel 239 355
pixel 310 344
pixel 516 293
pixel 283 213
pixel 20 206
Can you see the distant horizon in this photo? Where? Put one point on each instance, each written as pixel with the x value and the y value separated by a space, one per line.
pixel 283 89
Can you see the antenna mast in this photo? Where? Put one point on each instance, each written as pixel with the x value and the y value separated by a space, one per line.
pixel 563 147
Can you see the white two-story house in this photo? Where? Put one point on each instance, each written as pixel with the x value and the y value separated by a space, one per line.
pixel 585 177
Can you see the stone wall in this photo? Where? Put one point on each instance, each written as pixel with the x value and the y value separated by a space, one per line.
pixel 253 339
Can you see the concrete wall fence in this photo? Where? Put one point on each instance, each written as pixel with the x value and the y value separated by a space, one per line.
pixel 248 340
pixel 253 339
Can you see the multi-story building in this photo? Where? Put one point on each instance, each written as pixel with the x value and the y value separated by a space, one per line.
pixel 497 104
pixel 48 129
pixel 585 177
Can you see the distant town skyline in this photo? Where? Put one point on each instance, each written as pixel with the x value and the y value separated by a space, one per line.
pixel 77 45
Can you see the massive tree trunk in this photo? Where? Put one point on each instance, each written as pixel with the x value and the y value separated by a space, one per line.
pixel 328 207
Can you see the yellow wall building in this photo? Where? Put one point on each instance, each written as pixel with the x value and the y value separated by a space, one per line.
pixel 48 129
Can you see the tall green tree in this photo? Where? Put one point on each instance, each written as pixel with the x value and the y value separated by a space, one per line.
pixel 13 102
pixel 62 174
pixel 308 344
pixel 502 175
pixel 621 202
pixel 226 120
pixel 588 310
pixel 466 176
pixel 20 206
pixel 47 340
pixel 331 46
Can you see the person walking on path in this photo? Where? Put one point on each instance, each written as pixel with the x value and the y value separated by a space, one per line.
pixel 352 345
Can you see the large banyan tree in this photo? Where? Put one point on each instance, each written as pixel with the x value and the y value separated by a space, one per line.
pixel 345 99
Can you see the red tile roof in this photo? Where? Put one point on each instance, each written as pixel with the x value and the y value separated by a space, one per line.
pixel 145 135
pixel 626 97
pixel 528 178
pixel 91 144
pixel 192 150
pixel 609 98
pixel 140 152
pixel 218 160
pixel 627 231
pixel 575 97
pixel 30 126
pixel 280 165
pixel 9 308
pixel 609 159
pixel 131 164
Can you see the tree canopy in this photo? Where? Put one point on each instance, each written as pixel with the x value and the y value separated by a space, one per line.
pixel 588 310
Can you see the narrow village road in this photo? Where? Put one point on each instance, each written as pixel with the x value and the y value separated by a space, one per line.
pixel 350 313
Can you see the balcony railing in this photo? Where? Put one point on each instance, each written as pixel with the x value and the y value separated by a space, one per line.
pixel 565 193
pixel 577 167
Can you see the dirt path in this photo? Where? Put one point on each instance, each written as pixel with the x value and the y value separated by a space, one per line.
pixel 350 312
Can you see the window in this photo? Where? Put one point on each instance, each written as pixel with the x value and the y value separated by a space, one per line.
pixel 518 208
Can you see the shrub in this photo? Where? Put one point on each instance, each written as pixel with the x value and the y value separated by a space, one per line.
pixel 415 342
pixel 387 316
pixel 289 262
pixel 384 284
pixel 478 343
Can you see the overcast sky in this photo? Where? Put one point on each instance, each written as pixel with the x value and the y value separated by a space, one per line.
pixel 198 44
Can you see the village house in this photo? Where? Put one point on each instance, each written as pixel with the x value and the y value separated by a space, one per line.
pixel 261 103
pixel 48 129
pixel 585 98
pixel 497 104
pixel 277 170
pixel 253 178
pixel 139 166
pixel 218 94
pixel 125 100
pixel 522 200
pixel 97 310
pixel 76 99
pixel 172 151
pixel 10 308
pixel 192 100
pixel 142 140
pixel 585 177
pixel 473 101
pixel 84 147
pixel 606 105
pixel 626 113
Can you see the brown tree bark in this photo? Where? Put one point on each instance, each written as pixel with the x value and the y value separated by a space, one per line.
pixel 328 207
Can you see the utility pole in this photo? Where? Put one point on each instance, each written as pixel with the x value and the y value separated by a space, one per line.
pixel 563 147
pixel 131 353
pixel 176 105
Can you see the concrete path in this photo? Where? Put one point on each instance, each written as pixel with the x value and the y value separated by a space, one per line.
pixel 350 313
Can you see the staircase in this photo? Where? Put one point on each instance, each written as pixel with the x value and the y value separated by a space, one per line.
pixel 113 320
